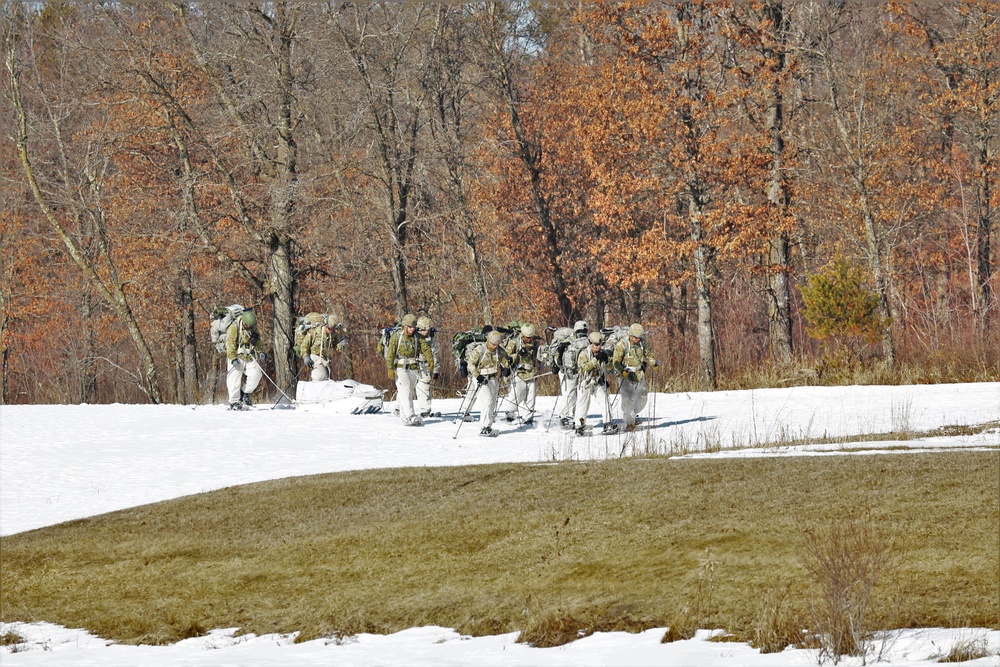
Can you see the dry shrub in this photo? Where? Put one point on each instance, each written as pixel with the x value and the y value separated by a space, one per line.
pixel 968 648
pixel 846 560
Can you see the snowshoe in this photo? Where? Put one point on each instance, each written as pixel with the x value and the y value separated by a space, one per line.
pixel 530 421
pixel 510 417
pixel 489 432
pixel 583 431
pixel 425 415
pixel 610 429
pixel 566 423
pixel 237 406
pixel 414 420
pixel 468 418
pixel 245 399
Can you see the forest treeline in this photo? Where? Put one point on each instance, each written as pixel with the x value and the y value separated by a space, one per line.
pixel 769 186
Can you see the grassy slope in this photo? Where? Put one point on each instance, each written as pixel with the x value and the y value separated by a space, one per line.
pixel 625 544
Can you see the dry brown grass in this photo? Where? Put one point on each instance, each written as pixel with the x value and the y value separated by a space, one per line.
pixel 554 550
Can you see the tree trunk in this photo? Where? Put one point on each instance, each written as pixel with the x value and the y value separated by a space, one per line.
pixel 706 331
pixel 189 358
pixel 984 234
pixel 779 291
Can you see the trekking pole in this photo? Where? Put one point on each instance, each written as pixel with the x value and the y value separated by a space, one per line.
pixel 468 409
pixel 294 380
pixel 268 377
pixel 552 414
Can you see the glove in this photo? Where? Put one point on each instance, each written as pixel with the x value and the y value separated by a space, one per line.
pixel 629 375
pixel 341 345
pixel 307 360
pixel 480 380
pixel 262 357
pixel 601 356
pixel 392 374
pixel 656 364
pixel 505 371
pixel 463 369
pixel 436 374
pixel 254 337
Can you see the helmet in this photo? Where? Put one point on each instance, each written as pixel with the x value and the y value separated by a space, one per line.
pixel 424 323
pixel 249 319
pixel 636 330
pixel 330 321
pixel 409 320
pixel 580 327
pixel 494 338
pixel 596 338
pixel 528 330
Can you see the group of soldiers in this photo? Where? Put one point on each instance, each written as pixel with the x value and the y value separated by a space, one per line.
pixel 412 362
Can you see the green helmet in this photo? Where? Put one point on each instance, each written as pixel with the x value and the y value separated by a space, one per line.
pixel 249 319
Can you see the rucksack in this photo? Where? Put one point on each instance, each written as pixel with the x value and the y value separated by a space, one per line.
pixel 612 335
pixel 222 319
pixel 302 326
pixel 571 356
pixel 382 347
pixel 460 343
pixel 552 353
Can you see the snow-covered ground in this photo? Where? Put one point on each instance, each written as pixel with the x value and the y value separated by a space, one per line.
pixel 65 462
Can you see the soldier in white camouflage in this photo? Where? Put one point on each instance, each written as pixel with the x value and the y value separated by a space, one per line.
pixel 487 363
pixel 319 344
pixel 427 373
pixel 631 358
pixel 241 355
pixel 568 375
pixel 523 352
pixel 405 347
pixel 593 382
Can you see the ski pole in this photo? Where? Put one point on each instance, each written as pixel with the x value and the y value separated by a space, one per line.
pixel 551 414
pixel 294 380
pixel 264 373
pixel 468 409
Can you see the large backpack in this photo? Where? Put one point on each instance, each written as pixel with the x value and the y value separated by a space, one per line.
pixel 612 335
pixel 382 347
pixel 460 343
pixel 571 357
pixel 303 325
pixel 222 319
pixel 552 353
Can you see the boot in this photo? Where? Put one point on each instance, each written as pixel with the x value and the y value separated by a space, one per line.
pixel 245 399
pixel 610 429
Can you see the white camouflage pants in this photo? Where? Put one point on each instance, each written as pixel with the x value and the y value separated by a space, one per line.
pixel 424 391
pixel 524 392
pixel 567 387
pixel 485 396
pixel 633 395
pixel 235 371
pixel 586 390
pixel 320 369
pixel 406 384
